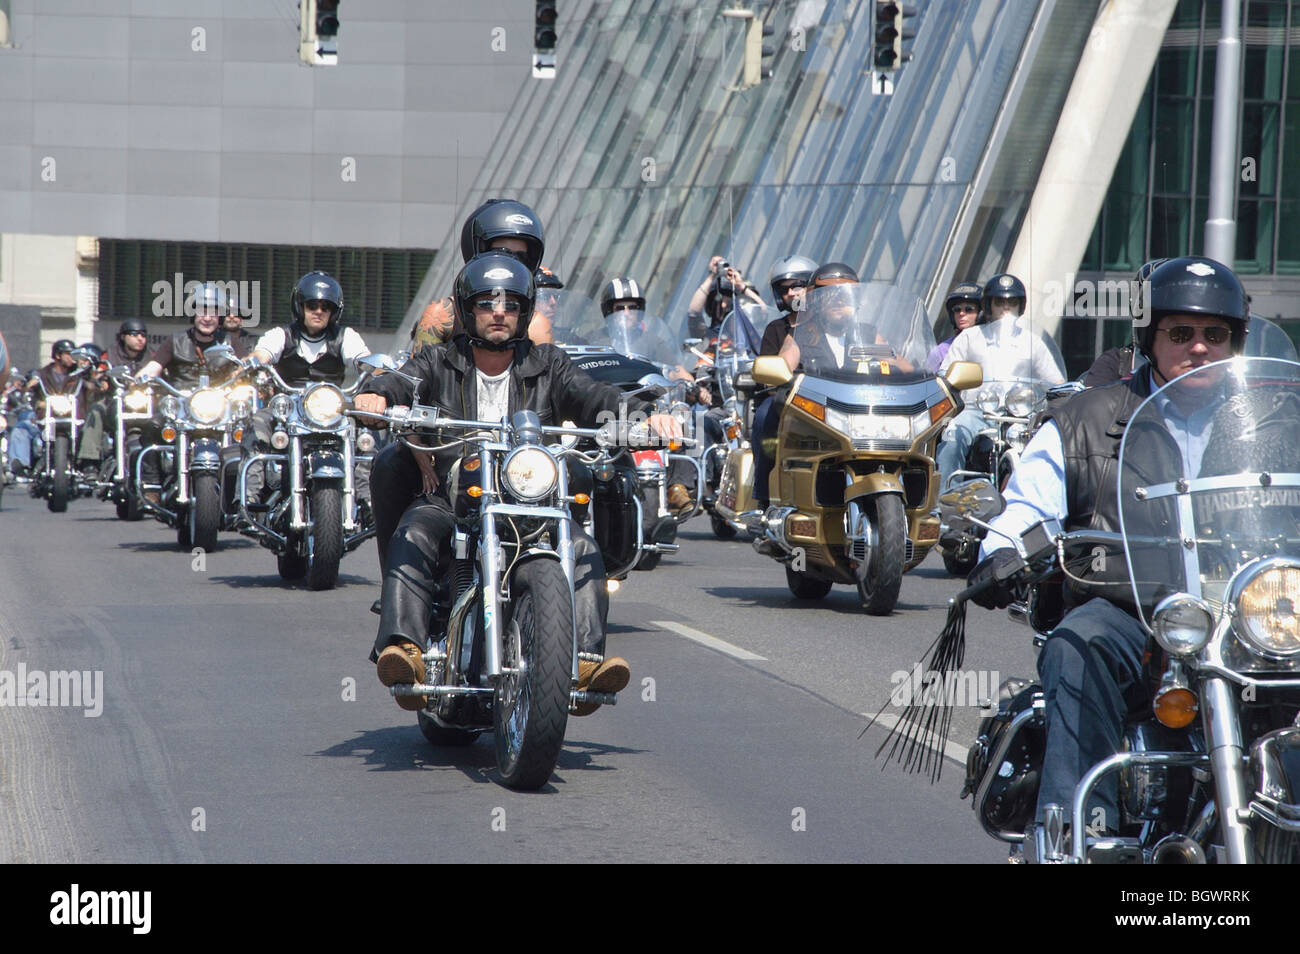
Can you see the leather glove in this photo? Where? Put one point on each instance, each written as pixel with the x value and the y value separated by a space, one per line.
pixel 997 593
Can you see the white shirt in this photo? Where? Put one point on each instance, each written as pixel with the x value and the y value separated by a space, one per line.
pixel 273 343
pixel 1008 349
pixel 493 395
pixel 836 343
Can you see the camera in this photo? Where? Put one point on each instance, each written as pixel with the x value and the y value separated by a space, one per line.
pixel 721 268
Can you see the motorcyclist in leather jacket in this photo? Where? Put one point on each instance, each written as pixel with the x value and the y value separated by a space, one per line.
pixel 486 373
pixel 1091 664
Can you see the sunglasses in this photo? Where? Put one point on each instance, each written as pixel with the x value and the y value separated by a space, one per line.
pixel 964 309
pixel 507 305
pixel 135 334
pixel 623 306
pixel 1181 334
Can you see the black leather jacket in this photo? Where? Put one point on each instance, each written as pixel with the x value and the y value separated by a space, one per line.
pixel 542 379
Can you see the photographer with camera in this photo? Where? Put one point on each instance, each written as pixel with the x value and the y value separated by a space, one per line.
pixel 714 299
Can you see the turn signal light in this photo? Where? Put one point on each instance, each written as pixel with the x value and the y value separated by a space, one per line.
pixel 1175 708
pixel 239 434
pixel 582 499
pixel 674 446
pixel 809 407
pixel 475 491
pixel 169 434
pixel 939 410
pixel 471 464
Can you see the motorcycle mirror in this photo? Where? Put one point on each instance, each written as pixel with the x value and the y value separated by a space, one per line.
pixel 376 362
pixel 1064 390
pixel 771 370
pixel 977 499
pixel 224 351
pixel 964 375
pixel 568 440
pixel 689 343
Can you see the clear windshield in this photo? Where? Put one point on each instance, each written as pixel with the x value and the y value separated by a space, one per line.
pixel 635 334
pixel 572 314
pixel 1209 478
pixel 852 330
pixel 1266 340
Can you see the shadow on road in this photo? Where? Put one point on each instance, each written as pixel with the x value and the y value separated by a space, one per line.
pixel 844 602
pixel 272 580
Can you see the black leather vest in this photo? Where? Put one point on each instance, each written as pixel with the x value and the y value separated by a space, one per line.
pixel 187 363
pixel 295 369
pixel 1092 424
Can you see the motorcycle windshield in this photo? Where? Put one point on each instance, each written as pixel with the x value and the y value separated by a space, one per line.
pixel 1266 340
pixel 572 314
pixel 636 334
pixel 1209 479
pixel 856 330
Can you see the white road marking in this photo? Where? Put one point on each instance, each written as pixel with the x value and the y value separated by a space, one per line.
pixel 953 750
pixel 704 639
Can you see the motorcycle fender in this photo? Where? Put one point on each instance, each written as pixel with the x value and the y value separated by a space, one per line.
pixel 869 485
pixel 326 464
pixel 736 483
pixel 1275 769
pixel 205 454
pixel 648 459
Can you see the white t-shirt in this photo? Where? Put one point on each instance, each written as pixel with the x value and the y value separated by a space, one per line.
pixel 836 343
pixel 493 395
pixel 1008 349
pixel 273 343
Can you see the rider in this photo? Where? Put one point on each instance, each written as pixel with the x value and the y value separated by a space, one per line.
pixel 1006 346
pixel 819 344
pixel 503 224
pixel 715 298
pixel 233 324
pixel 1091 665
pixel 90 449
pixel 963 308
pixel 488 372
pixel 314 347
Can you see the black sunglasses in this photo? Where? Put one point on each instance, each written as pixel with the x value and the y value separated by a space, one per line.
pixel 509 305
pixel 1181 334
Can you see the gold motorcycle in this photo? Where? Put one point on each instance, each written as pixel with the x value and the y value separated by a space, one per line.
pixel 854 489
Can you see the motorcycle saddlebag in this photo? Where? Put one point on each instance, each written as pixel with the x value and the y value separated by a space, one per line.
pixel 1004 766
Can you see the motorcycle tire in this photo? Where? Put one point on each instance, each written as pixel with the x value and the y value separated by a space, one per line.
pixel 442 736
pixel 326 541
pixel 531 706
pixel 205 512
pixel 804 586
pixel 878 588
pixel 60 480
pixel 721 529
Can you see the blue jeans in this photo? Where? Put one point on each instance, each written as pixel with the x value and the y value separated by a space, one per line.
pixel 24 438
pixel 1091 670
pixel 957 439
pixel 767 418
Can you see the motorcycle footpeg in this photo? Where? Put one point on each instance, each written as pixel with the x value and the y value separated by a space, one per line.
pixel 660 547
pixel 577 696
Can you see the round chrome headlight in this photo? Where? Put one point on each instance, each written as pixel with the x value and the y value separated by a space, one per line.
pixel 988 400
pixel 170 406
pixel 281 407
pixel 136 400
pixel 323 405
pixel 530 473
pixel 207 406
pixel 1020 400
pixel 1182 624
pixel 60 405
pixel 242 394
pixel 1267 614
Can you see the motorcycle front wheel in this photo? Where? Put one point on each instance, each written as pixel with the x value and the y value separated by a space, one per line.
pixel 879 586
pixel 326 541
pixel 60 480
pixel 531 709
pixel 205 512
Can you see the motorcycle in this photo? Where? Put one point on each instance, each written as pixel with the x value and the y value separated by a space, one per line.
pixel 1210 532
pixel 202 428
pixel 854 483
pixel 314 518
pixel 133 405
pixel 56 478
pixel 503 653
pixel 634 352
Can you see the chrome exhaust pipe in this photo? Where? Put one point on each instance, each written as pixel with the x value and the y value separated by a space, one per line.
pixel 1177 850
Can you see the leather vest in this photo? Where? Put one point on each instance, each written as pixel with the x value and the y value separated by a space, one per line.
pixel 295 369
pixel 187 363
pixel 1092 424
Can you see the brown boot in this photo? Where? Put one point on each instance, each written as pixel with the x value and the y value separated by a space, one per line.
pixel 403 664
pixel 153 497
pixel 610 676
pixel 679 498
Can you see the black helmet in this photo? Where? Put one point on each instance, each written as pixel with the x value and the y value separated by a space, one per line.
pixel 62 346
pixel 317 286
pixel 494 273
pixel 833 273
pixel 792 268
pixel 963 291
pixel 131 326
pixel 1002 286
pixel 1191 286
pixel 498 218
pixel 92 351
pixel 621 289
pixel 543 277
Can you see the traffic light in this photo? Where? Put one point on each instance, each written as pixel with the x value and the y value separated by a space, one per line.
pixel 544 16
pixel 889 36
pixel 318 31
pixel 758 55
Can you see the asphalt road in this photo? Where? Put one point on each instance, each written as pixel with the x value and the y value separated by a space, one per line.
pixel 242 722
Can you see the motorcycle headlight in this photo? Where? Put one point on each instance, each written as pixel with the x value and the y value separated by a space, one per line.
pixel 170 406
pixel 136 400
pixel 871 427
pixel 242 394
pixel 1182 624
pixel 60 405
pixel 323 405
pixel 281 407
pixel 1267 614
pixel 1018 435
pixel 1020 400
pixel 988 400
pixel 207 406
pixel 530 473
